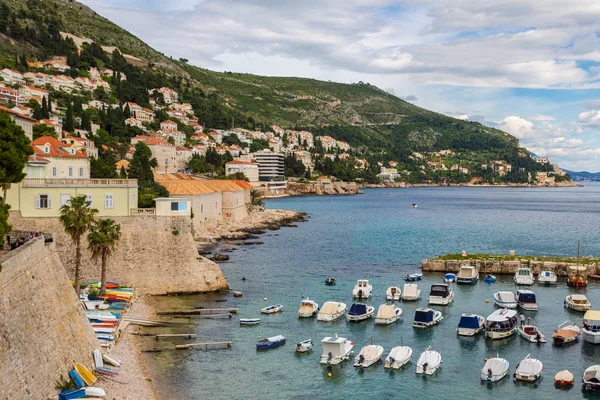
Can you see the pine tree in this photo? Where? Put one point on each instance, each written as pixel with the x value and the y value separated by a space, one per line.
pixel 127 111
pixel 86 123
pixel 44 110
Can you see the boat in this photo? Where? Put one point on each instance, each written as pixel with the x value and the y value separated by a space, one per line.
pixel 411 292
pixel 547 278
pixel 267 343
pixel 331 311
pixel 494 369
pixel 505 299
pixel 76 378
pixel 577 302
pixel 249 321
pixel 335 350
pixel 490 278
pixel 414 205
pixel 564 378
pixel 501 324
pixel 271 309
pixel 95 315
pixel 368 355
pixel 304 346
pixel 398 357
pixel 413 277
pixel 106 371
pixel 529 369
pixel 393 293
pixel 308 308
pixel 526 300
pixel 426 317
pixel 531 332
pixel 567 332
pixel 428 362
pixel 330 281
pixel 577 276
pixel 440 294
pixel 94 392
pixel 450 278
pixel 591 379
pixel 111 360
pixel 591 327
pixel 523 276
pixel 467 274
pixel 388 314
pixel 594 277
pixel 470 324
pixel 88 377
pixel 362 289
pixel 360 312
pixel 109 285
pixel 70 394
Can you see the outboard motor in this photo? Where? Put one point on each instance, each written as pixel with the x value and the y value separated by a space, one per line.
pixel 360 294
pixel 329 357
pixel 489 373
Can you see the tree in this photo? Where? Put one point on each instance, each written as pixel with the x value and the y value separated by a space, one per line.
pixel 141 169
pixel 77 217
pixel 14 151
pixel 43 130
pixel 123 173
pixel 44 111
pixel 256 200
pixel 69 124
pixel 5 227
pixel 102 240
pixel 171 140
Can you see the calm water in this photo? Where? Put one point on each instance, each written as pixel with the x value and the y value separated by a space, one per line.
pixel 382 237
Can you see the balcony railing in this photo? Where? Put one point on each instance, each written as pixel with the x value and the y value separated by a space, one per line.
pixel 142 211
pixel 49 182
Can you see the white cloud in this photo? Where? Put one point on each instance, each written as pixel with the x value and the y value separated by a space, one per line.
pixel 589 118
pixel 517 126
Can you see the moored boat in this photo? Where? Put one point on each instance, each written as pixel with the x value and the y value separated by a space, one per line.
pixel 70 394
pixel 505 299
pixel 591 327
pixel 399 356
pixel 523 276
pixel 411 292
pixel 360 312
pixel 591 379
pixel 467 274
pixel 526 300
pixel 393 293
pixel 567 332
pixel 330 281
pixel 530 332
pixel 547 278
pixel 529 369
pixel 428 362
pixel 304 346
pixel 308 308
pixel 577 276
pixel 440 294
pixel 249 321
pixel 388 314
pixel 470 324
pixel 494 369
pixel 564 378
pixel 489 278
pixel 413 277
pixel 335 350
pixel 577 302
pixel 362 289
pixel 450 278
pixel 267 343
pixel 501 324
pixel 331 311
pixel 368 356
pixel 271 309
pixel 426 317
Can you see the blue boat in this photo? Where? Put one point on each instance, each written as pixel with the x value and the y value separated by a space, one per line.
pixel 267 343
pixel 413 277
pixel 470 324
pixel 450 278
pixel 72 394
pixel 76 379
pixel 426 317
pixel 490 278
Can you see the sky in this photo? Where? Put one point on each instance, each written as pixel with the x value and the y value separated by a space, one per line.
pixel 531 68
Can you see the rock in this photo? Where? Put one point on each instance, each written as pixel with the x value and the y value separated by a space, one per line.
pixel 219 257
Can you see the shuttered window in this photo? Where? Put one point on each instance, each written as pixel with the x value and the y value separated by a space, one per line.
pixel 108 200
pixel 43 201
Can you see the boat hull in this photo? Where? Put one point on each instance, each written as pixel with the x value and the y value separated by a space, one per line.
pixel 528 306
pixel 469 332
pixel 358 318
pixel 441 301
pixel 264 346
pixel 423 325
pixel 495 335
pixel 527 377
pixel 467 280
pixel 506 304
pixel 590 337
pixel 386 321
pixel 335 360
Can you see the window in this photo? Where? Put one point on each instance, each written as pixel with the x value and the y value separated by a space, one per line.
pixel 70 171
pixel 53 171
pixel 80 171
pixel 178 206
pixel 64 199
pixel 108 201
pixel 43 201
pixel 88 197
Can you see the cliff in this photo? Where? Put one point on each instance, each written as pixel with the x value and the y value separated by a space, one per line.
pixel 318 188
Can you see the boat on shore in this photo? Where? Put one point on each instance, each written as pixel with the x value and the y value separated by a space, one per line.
pixel 271 309
pixel 249 321
pixel 426 317
pixel 368 355
pixel 304 346
pixel 411 292
pixel 428 362
pixel 526 300
pixel 359 312
pixel 450 278
pixel 362 289
pixel 591 379
pixel 308 308
pixel 467 274
pixel 388 314
pixel 494 369
pixel 577 302
pixel 591 327
pixel 567 332
pixel 440 294
pixel 523 276
pixel 505 299
pixel 470 324
pixel 399 356
pixel 547 278
pixel 269 342
pixel 331 311
pixel 529 369
pixel 577 276
pixel 336 350
pixel 393 293
pixel 501 324
pixel 564 378
pixel 413 277
pixel 531 333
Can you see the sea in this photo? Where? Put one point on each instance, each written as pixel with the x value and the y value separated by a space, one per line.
pixel 380 236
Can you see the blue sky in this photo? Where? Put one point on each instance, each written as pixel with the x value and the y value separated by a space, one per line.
pixel 530 68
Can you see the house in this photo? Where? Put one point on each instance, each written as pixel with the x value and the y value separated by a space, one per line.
pixel 99 105
pixel 327 142
pixel 247 168
pixel 25 122
pixel 86 146
pixel 168 125
pixel 28 111
pixel 182 157
pixel 31 91
pixel 64 160
pixel 388 174
pixel 9 95
pixel 343 145
pixel 202 138
pixel 179 138
pixel 543 160
pixel 165 153
pixel 144 115
pixel 270 171
pixel 11 76
pixel 217 137
pixel 134 122
pixel 169 95
pixel 196 127
pixel 393 164
pixel 124 163
pixel 183 107
pixel 55 124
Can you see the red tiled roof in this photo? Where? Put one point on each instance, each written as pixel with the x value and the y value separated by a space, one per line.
pixel 243 184
pixel 55 148
pixel 17 114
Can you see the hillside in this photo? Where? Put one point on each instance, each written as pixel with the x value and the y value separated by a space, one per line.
pixel 584 176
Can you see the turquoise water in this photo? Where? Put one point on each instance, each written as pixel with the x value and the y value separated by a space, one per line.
pixel 382 237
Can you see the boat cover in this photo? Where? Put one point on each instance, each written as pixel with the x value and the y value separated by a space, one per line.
pixel 358 309
pixel 331 307
pixel 393 290
pixel 467 272
pixel 564 376
pixel 497 365
pixel 527 297
pixel 530 366
pixel 439 290
pixel 501 315
pixel 579 298
pixel 424 315
pixel 567 333
pixel 449 276
pixel 307 307
pixel 547 274
pixel 371 351
pixel 386 311
pixel 468 321
pixel 506 297
pixel 592 315
pixel 410 290
pixel 592 375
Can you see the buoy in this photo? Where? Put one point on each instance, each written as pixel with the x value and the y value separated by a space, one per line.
pixel 265 299
pixel 487 301
pixel 329 374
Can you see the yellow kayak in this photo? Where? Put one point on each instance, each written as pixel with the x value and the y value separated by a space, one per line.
pixel 88 377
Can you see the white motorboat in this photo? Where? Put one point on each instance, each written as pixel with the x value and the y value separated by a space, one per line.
pixel 393 293
pixel 335 350
pixel 308 308
pixel 467 274
pixel 388 314
pixel 411 292
pixel 450 277
pixel 368 356
pixel 331 311
pixel 362 289
pixel 591 327
pixel 578 302
pixel 398 357
pixel 494 369
pixel 547 278
pixel 249 321
pixel 426 317
pixel 526 300
pixel 591 379
pixel 304 346
pixel 531 332
pixel 360 312
pixel 529 369
pixel 523 276
pixel 501 324
pixel 505 299
pixel 271 309
pixel 440 294
pixel 470 324
pixel 567 332
pixel 428 362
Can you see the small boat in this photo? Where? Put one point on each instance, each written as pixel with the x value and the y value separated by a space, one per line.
pixel 304 346
pixel 398 357
pixel 413 277
pixel 106 371
pixel 109 285
pixel 368 356
pixel 271 309
pixel 450 278
pixel 331 311
pixel 467 274
pixel 249 321
pixel 529 369
pixel 494 369
pixel 105 337
pixel 426 317
pixel 94 392
pixel 567 332
pixel 501 324
pixel 594 277
pixel 411 292
pixel 428 362
pixel 490 278
pixel 72 394
pixel 577 276
pixel 505 299
pixel 388 314
pixel 330 281
pixel 393 293
pixel 564 378
pixel 267 343
pixel 360 312
pixel 335 350
pixel 111 360
pixel 76 378
pixel 440 294
pixel 591 327
pixel 591 379
pixel 531 332
pixel 87 375
pixel 103 329
pixel 414 205
pixel 547 278
pixel 95 315
pixel 523 276
pixel 470 324
pixel 308 308
pixel 526 300
pixel 362 289
pixel 577 302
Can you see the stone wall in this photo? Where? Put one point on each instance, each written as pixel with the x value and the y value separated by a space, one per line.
pixel 505 267
pixel 43 328
pixel 299 189
pixel 156 255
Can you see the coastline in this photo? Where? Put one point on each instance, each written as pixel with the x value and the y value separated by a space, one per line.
pixel 404 185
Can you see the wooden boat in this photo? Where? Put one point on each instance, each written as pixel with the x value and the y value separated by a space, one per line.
pixel 450 278
pixel 368 356
pixel 529 369
pixel 109 285
pixel 388 314
pixel 331 311
pixel 426 317
pixel 271 309
pixel 494 369
pixel 547 278
pixel 94 392
pixel 335 350
pixel 591 379
pixel 267 343
pixel 594 277
pixel 76 378
pixel 523 276
pixel 467 274
pixel 564 378
pixel 591 327
pixel 526 300
pixel 567 332
pixel 103 329
pixel 413 277
pixel 106 371
pixel 393 293
pixel 440 294
pixel 531 332
pixel 249 321
pixel 505 299
pixel 577 276
pixel 308 308
pixel 304 346
pixel 101 317
pixel 330 281
pixel 428 362
pixel 88 377
pixel 411 292
pixel 72 394
pixel 362 289
pixel 399 356
pixel 106 337
pixel 501 324
pixel 490 278
pixel 577 302
pixel 470 324
pixel 360 312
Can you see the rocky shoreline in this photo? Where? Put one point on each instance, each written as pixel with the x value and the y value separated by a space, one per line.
pixel 320 188
pixel 393 185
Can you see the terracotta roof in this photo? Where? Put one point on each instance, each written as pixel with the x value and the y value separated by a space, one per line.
pixel 17 114
pixel 185 185
pixel 55 148
pixel 167 121
pixel 153 141
pixel 243 184
pixel 122 163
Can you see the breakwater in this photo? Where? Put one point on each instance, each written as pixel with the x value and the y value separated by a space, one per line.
pixel 322 188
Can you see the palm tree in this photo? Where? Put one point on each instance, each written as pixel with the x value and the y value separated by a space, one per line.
pixel 102 239
pixel 77 216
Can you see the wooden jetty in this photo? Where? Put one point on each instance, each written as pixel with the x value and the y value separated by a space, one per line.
pixel 203 344
pixel 200 311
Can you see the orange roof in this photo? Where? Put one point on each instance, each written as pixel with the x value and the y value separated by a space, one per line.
pixel 55 148
pixel 153 141
pixel 17 114
pixel 185 185
pixel 243 184
pixel 167 121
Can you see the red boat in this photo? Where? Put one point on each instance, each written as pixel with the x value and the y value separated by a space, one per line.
pixel 577 276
